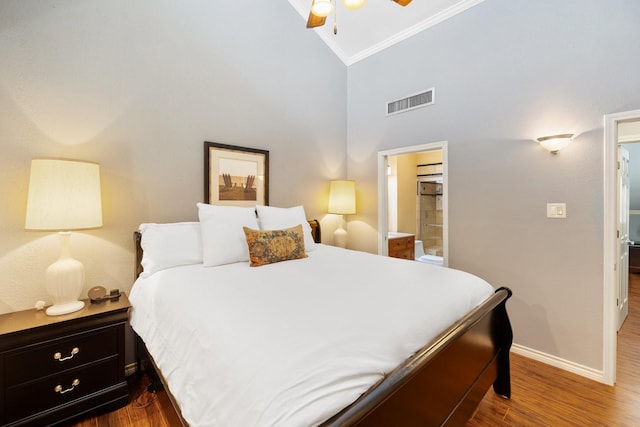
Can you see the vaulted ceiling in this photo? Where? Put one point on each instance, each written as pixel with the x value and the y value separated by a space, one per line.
pixel 379 24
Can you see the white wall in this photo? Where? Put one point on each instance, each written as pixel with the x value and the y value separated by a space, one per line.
pixel 406 175
pixel 506 72
pixel 138 86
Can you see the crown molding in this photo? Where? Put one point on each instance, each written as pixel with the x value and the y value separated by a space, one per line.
pixel 413 30
pixel 390 41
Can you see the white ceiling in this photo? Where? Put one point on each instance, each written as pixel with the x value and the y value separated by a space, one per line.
pixel 379 24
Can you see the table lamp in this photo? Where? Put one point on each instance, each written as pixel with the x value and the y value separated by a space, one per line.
pixel 342 201
pixel 64 195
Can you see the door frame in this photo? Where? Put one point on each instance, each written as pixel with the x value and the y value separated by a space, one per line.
pixel 383 194
pixel 610 336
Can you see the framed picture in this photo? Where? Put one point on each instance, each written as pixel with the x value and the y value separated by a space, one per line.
pixel 235 176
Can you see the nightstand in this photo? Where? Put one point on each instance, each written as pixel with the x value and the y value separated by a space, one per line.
pixel 53 368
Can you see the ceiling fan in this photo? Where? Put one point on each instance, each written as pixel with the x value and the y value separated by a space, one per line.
pixel 320 9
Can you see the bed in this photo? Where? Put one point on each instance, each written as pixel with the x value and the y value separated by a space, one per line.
pixel 304 342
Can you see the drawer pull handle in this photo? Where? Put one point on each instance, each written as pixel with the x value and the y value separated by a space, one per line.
pixel 74 384
pixel 59 358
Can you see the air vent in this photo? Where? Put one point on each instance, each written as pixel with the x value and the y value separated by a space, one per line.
pixel 411 102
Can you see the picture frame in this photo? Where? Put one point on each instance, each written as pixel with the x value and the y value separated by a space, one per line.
pixel 235 176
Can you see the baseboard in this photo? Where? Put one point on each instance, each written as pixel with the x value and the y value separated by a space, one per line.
pixel 558 362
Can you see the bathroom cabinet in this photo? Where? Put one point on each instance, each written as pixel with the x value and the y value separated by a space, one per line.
pixel 402 245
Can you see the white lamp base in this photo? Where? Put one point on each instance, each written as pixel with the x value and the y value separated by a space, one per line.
pixel 66 308
pixel 340 238
pixel 65 280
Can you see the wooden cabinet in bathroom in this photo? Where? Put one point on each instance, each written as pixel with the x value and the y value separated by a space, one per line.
pixel 402 246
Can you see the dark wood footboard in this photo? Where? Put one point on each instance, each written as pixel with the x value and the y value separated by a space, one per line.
pixel 442 384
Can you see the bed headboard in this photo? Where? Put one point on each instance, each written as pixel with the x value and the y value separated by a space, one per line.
pixel 315 230
pixel 137 237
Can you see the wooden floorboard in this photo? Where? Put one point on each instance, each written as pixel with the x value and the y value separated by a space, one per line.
pixel 146 409
pixel 541 394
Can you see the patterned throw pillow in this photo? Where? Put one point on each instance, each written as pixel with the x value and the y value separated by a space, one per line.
pixel 269 246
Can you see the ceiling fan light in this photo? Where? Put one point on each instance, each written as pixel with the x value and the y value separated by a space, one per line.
pixel 322 7
pixel 353 4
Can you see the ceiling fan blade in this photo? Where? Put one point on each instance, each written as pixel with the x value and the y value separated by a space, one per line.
pixel 402 2
pixel 315 21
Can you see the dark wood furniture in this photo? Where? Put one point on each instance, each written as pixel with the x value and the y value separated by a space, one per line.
pixel 402 246
pixel 634 259
pixel 440 385
pixel 55 368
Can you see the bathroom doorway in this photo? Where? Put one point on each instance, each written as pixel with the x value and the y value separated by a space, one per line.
pixel 412 189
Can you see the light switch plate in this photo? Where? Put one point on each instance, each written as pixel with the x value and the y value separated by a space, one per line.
pixel 556 210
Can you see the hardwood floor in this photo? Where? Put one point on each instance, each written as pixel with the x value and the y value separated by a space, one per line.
pixel 541 394
pixel 546 396
pixel 146 409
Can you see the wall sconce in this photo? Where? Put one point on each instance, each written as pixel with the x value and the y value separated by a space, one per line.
pixel 555 143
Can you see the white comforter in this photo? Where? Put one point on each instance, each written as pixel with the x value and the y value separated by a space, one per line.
pixel 292 343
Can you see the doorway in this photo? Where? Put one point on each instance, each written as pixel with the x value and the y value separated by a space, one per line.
pixel 614 123
pixel 393 217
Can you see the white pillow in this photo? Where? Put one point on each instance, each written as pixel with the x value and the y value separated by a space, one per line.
pixel 272 218
pixel 170 245
pixel 223 239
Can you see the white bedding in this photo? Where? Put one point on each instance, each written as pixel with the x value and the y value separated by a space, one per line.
pixel 292 343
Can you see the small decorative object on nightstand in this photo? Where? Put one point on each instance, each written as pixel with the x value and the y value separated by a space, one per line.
pixel 53 369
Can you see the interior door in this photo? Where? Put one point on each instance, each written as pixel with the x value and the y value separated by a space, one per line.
pixel 623 235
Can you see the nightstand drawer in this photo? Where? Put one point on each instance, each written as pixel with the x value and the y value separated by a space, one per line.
pixel 59 389
pixel 56 356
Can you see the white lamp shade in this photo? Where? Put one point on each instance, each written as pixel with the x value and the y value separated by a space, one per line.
pixel 342 197
pixel 555 143
pixel 353 4
pixel 63 195
pixel 322 7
